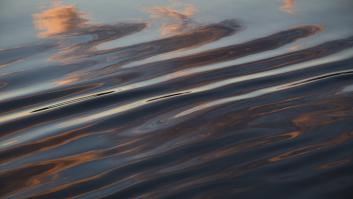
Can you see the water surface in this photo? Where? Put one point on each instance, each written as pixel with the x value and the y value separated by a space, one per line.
pixel 176 99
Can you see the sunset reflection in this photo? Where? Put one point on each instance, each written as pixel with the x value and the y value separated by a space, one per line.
pixel 58 19
pixel 288 6
pixel 175 20
pixel 67 81
pixel 176 99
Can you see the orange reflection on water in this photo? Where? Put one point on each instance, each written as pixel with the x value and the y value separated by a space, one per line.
pixel 58 19
pixel 58 165
pixel 164 11
pixel 313 147
pixel 333 164
pixel 67 81
pixel 177 18
pixel 169 29
pixel 319 118
pixel 288 6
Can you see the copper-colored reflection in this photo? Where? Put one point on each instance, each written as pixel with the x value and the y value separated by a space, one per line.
pixel 288 6
pixel 177 19
pixel 58 19
pixel 333 164
pixel 319 118
pixel 163 11
pixel 300 151
pixel 67 81
pixel 169 29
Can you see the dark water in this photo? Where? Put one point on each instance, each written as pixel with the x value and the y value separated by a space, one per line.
pixel 176 99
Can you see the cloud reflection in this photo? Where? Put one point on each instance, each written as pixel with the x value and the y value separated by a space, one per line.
pixel 175 20
pixel 288 6
pixel 58 19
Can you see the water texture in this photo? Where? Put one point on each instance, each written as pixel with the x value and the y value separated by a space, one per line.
pixel 176 99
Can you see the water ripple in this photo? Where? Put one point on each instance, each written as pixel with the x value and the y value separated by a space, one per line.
pixel 173 106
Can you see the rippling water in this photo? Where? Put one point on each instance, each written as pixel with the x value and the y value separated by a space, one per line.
pixel 176 99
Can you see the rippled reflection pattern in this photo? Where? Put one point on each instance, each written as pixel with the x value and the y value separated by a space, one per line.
pixel 170 100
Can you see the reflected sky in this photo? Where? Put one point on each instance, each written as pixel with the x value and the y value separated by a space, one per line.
pixel 58 19
pixel 21 25
pixel 175 21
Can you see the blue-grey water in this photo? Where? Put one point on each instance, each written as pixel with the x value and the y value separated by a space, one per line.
pixel 176 99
